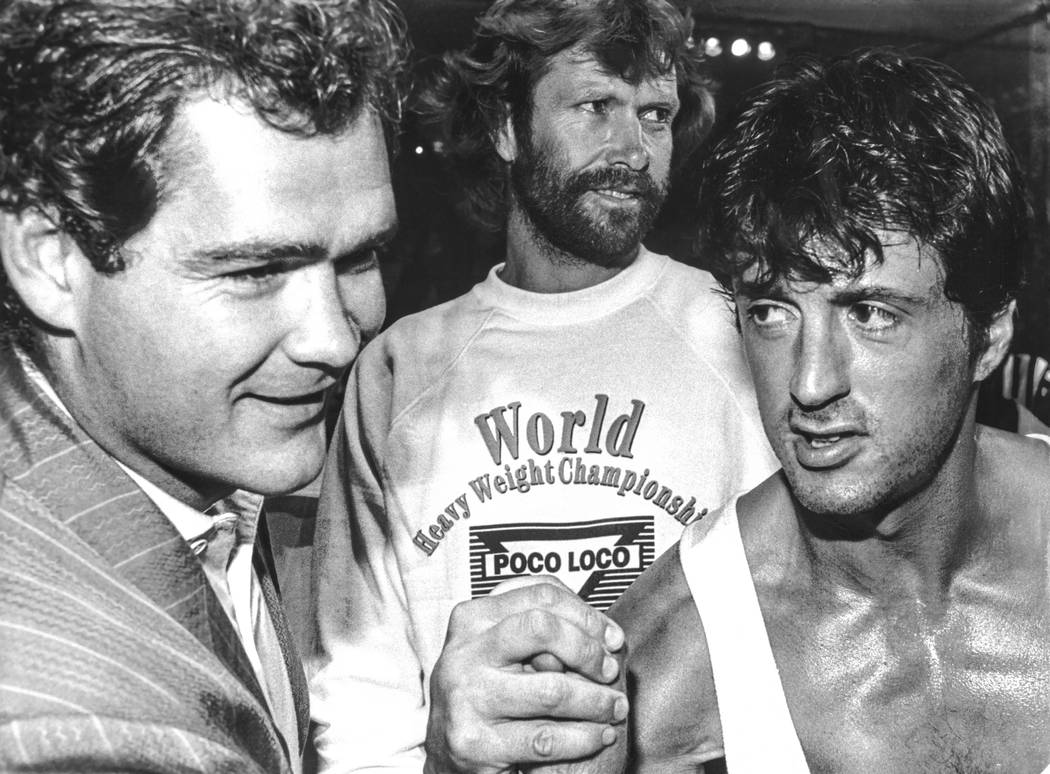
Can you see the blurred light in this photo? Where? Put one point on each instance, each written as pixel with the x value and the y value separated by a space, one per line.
pixel 713 47
pixel 766 51
pixel 438 146
pixel 740 47
pixel 419 150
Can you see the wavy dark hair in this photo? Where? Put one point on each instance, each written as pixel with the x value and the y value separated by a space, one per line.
pixel 514 41
pixel 828 153
pixel 88 92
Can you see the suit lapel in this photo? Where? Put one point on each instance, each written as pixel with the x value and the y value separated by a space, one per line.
pixel 51 456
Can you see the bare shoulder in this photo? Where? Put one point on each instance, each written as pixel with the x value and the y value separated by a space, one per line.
pixel 1014 468
pixel 674 715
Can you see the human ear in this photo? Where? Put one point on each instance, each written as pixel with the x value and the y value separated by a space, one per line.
pixel 504 138
pixel 997 342
pixel 37 259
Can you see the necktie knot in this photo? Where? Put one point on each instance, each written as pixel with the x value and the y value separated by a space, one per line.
pixel 215 546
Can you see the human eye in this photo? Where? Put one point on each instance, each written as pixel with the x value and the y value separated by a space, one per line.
pixel 768 316
pixel 873 318
pixel 597 106
pixel 258 278
pixel 660 115
pixel 360 261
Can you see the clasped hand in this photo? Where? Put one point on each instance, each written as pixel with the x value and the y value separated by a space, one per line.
pixel 529 675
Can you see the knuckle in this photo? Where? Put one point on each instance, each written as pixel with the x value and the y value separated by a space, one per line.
pixel 551 691
pixel 593 621
pixel 458 619
pixel 544 741
pixel 451 687
pixel 540 624
pixel 545 595
pixel 464 740
pixel 592 653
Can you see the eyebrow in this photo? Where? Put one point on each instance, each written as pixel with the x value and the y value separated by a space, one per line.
pixel 671 102
pixel 260 252
pixel 265 251
pixel 852 295
pixel 846 296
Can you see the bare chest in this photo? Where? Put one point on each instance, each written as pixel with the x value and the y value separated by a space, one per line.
pixel 900 691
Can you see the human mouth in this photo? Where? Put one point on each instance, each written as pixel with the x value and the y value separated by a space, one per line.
pixel 619 195
pixel 297 399
pixel 819 448
pixel 297 409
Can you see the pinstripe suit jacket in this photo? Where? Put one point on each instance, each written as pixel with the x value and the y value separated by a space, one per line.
pixel 115 654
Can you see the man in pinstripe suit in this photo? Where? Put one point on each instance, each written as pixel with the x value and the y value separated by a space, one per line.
pixel 192 196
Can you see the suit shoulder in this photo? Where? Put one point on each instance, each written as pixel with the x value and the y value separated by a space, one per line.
pixel 66 741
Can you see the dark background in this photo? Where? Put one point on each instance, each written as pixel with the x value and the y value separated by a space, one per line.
pixel 1000 46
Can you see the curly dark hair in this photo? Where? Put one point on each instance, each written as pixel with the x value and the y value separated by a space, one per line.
pixel 828 153
pixel 514 42
pixel 88 92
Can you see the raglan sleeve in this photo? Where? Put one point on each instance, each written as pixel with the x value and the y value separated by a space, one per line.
pixel 366 688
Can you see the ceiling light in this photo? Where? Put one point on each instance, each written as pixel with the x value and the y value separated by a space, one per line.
pixel 740 47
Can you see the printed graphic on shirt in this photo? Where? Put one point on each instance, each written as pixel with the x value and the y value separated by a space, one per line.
pixel 596 559
pixel 581 449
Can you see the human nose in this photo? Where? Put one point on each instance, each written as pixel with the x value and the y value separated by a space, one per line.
pixel 627 143
pixel 324 333
pixel 822 364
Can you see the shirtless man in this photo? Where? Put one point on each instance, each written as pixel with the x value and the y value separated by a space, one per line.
pixel 882 603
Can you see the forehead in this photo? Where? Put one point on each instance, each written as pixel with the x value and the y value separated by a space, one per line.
pixel 907 267
pixel 576 70
pixel 227 175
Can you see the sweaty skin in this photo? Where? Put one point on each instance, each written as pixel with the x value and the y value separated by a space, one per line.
pixel 960 683
pixel 900 558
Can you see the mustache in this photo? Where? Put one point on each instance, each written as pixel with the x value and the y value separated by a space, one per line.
pixel 615 177
pixel 853 416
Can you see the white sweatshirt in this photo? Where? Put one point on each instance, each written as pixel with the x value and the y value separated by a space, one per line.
pixel 505 433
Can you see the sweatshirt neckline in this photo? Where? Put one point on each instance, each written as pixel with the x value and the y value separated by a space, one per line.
pixel 575 305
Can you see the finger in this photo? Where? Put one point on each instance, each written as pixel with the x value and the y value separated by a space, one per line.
pixel 557 696
pixel 519 638
pixel 527 580
pixel 474 616
pixel 545 662
pixel 542 741
pixel 536 592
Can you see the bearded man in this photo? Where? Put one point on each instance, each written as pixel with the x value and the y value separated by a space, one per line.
pixel 567 416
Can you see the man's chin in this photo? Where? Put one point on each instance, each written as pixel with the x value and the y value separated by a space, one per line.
pixel 600 247
pixel 284 470
pixel 835 496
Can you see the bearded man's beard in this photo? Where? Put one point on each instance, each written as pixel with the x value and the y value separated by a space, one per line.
pixel 553 201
